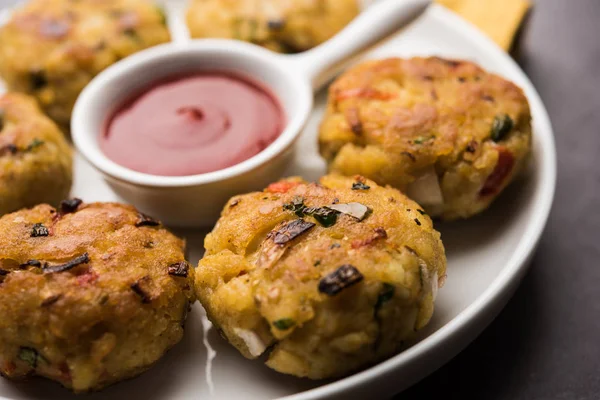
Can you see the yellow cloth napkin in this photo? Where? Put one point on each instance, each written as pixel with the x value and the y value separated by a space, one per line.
pixel 499 19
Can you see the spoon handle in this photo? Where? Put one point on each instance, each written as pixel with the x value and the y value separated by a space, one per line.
pixel 374 24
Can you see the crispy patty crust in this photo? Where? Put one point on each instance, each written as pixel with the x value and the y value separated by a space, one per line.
pixel 323 278
pixel 53 48
pixel 287 26
pixel 90 294
pixel 448 133
pixel 35 159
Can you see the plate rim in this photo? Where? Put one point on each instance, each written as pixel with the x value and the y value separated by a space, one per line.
pixel 473 319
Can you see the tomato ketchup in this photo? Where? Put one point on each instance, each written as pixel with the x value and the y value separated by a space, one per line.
pixel 192 125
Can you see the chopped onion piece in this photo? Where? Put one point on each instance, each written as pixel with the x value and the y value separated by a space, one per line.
pixel 270 253
pixel 434 285
pixel 253 342
pixel 356 210
pixel 429 281
pixel 426 189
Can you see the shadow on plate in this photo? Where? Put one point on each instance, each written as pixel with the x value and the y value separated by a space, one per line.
pixel 502 356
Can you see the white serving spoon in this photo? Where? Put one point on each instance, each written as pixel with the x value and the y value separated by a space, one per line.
pixel 196 200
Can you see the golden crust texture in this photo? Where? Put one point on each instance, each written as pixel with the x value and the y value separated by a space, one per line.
pixel 53 48
pixel 449 134
pixel 287 26
pixel 35 159
pixel 321 291
pixel 89 294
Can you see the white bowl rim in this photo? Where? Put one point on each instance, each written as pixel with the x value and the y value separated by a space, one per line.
pixel 501 287
pixel 87 143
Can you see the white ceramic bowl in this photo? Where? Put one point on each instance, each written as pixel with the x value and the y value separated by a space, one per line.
pixel 196 200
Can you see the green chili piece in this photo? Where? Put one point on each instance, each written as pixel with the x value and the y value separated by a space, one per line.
pixel 29 355
pixel 501 126
pixel 360 186
pixel 284 323
pixel 324 216
pixel 35 143
pixel 296 206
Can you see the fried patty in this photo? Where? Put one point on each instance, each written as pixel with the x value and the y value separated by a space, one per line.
pixel 321 278
pixel 287 26
pixel 449 134
pixel 90 294
pixel 53 48
pixel 35 158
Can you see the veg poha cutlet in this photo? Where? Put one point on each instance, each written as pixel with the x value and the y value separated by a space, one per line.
pixel 321 278
pixel 51 49
pixel 35 159
pixel 90 294
pixel 287 26
pixel 449 134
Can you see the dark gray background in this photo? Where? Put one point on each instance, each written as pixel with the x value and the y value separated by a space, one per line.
pixel 546 342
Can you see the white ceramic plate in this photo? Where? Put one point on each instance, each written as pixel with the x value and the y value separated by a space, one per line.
pixel 487 257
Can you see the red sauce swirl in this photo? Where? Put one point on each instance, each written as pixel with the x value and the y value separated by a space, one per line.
pixel 193 125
